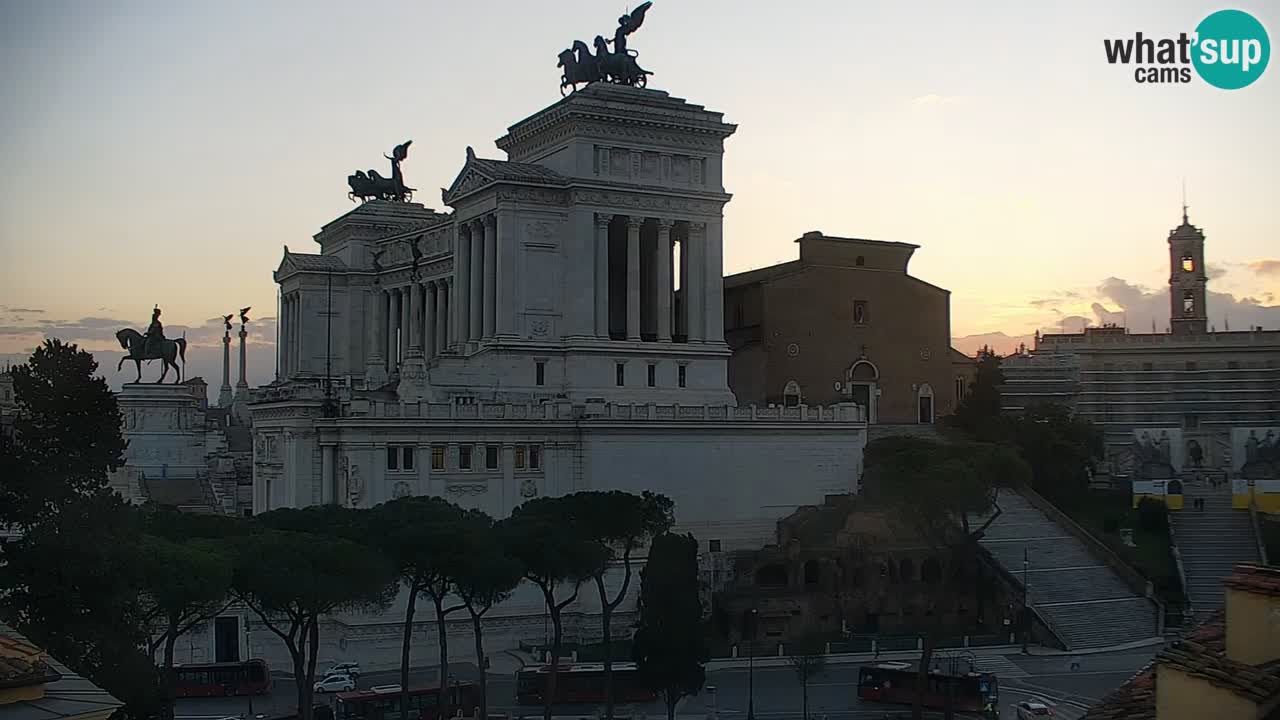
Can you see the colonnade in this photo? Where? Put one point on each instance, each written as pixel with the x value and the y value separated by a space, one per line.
pixel 411 321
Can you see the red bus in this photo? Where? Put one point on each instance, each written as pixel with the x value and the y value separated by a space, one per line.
pixel 250 677
pixel 383 703
pixel 582 683
pixel 895 682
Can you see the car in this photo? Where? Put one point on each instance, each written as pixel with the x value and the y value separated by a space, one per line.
pixel 337 682
pixel 1034 710
pixel 346 668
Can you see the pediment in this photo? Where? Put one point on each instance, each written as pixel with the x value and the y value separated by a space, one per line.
pixel 470 179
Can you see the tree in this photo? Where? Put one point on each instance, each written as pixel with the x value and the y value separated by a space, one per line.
pixel 979 410
pixel 184 583
pixel 670 645
pixel 291 579
pixel 1060 450
pixel 544 537
pixel 66 435
pixel 808 659
pixel 72 585
pixel 490 576
pixel 941 492
pixel 621 523
pixel 422 537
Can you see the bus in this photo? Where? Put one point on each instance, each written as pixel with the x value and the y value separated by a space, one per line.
pixel 383 703
pixel 582 683
pixel 250 677
pixel 895 682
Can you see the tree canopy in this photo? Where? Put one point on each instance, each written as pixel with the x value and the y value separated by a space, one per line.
pixel 670 645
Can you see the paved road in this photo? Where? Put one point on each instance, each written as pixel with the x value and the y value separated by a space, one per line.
pixel 777 690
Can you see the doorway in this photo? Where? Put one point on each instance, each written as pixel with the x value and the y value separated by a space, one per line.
pixel 226 639
pixel 925 398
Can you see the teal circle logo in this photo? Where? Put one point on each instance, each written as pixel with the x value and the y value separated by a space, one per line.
pixel 1232 49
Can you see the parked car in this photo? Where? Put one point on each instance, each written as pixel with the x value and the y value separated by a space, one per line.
pixel 1033 710
pixel 337 682
pixel 346 668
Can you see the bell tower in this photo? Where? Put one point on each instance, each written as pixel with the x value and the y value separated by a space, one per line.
pixel 1187 312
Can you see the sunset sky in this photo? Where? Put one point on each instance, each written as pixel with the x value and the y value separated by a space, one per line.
pixel 162 152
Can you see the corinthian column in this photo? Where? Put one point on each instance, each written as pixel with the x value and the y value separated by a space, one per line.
pixel 415 320
pixel 663 286
pixel 490 275
pixel 444 321
pixel 633 277
pixel 428 323
pixel 475 299
pixel 462 280
pixel 602 275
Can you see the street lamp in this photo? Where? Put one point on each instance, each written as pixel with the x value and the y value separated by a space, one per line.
pixel 1026 601
pixel 751 669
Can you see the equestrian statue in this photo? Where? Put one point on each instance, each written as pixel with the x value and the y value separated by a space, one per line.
pixel 153 346
pixel 372 186
pixel 617 66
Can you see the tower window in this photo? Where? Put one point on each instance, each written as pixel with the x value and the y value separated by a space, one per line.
pixel 859 312
pixel 1188 303
pixel 620 374
pixel 1188 263
pixel 860 261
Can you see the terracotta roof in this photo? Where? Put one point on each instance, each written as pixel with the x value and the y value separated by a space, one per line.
pixel 504 170
pixel 1134 700
pixel 317 263
pixel 22 663
pixel 1257 579
pixel 1203 654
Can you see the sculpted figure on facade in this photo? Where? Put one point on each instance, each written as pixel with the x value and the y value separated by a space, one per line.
pixel 152 346
pixel 618 66
pixel 372 186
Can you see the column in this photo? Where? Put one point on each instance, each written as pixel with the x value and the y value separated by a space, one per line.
pixel 391 329
pixel 633 277
pixel 682 318
pixel 374 319
pixel 602 275
pixel 663 287
pixel 490 275
pixel 405 322
pixel 697 281
pixel 444 323
pixel 294 315
pixel 284 338
pixel 713 256
pixel 475 295
pixel 506 304
pixel 328 474
pixel 415 320
pixel 428 324
pixel 462 280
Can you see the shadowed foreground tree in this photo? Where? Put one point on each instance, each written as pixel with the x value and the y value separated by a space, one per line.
pixel 543 536
pixel 670 645
pixel 291 579
pixel 621 523
pixel 808 660
pixel 487 579
pixel 947 496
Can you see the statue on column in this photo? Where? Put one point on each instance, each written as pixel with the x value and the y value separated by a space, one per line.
pixel 152 346
pixel 580 66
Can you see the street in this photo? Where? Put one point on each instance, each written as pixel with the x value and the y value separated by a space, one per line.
pixel 777 690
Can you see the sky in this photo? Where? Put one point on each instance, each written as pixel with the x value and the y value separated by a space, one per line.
pixel 161 152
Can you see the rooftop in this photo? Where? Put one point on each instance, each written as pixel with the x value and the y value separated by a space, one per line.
pixel 65 694
pixel 1258 579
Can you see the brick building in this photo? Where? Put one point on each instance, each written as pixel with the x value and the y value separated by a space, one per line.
pixel 845 322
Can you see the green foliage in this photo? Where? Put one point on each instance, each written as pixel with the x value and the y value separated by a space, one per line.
pixel 979 410
pixel 1153 516
pixel 1059 448
pixel 67 434
pixel 670 645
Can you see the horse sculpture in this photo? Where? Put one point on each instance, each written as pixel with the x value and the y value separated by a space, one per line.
pixel 372 186
pixel 619 66
pixel 170 352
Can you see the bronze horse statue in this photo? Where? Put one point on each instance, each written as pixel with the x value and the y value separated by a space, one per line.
pixel 372 186
pixel 170 352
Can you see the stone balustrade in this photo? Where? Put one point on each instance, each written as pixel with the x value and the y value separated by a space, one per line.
pixel 602 412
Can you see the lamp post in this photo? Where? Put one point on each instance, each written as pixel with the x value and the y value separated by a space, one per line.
pixel 1026 601
pixel 751 668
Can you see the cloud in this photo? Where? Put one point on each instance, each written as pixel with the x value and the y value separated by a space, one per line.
pixel 1140 308
pixel 1266 268
pixel 1001 343
pixel 934 100
pixel 22 311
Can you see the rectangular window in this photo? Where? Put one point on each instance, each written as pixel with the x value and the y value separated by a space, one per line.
pixel 535 457
pixel 393 458
pixel 680 376
pixel 1191 422
pixel 653 375
pixel 464 457
pixel 407 457
pixel 519 457
pixel 713 545
pixel 620 374
pixel 491 457
pixel 959 389
pixel 540 374
pixel 1233 365
pixel 437 457
pixel 1146 367
pixel 1191 364
pixel 860 316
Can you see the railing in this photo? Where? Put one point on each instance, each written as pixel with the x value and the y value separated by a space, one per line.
pixel 603 412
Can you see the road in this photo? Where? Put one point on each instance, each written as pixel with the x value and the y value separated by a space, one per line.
pixel 777 691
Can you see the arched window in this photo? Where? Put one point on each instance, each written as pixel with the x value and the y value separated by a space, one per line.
pixel 1188 302
pixel 812 573
pixel 931 570
pixel 791 394
pixel 1188 263
pixel 771 576
pixel 906 570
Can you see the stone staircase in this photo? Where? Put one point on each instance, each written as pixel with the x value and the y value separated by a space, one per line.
pixel 1084 601
pixel 1211 541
